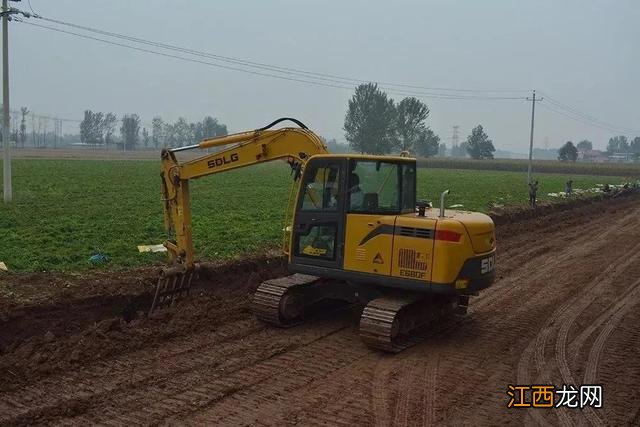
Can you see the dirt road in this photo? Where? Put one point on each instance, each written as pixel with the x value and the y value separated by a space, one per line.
pixel 565 310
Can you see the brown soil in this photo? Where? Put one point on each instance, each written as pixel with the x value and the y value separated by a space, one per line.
pixel 565 310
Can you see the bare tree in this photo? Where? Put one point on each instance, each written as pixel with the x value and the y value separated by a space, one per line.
pixel 109 128
pixel 34 142
pixel 23 125
pixel 145 138
pixel 157 131
pixel 43 124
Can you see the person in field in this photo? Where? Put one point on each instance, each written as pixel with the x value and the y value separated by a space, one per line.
pixel 533 193
pixel 568 188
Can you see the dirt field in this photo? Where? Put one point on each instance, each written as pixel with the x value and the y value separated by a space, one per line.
pixel 565 310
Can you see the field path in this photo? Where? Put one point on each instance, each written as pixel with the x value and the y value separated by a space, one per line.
pixel 565 309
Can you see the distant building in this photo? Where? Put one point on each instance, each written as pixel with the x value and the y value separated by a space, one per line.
pixel 592 156
pixel 84 145
pixel 621 157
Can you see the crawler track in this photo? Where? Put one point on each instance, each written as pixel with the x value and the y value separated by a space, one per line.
pixel 565 308
pixel 272 294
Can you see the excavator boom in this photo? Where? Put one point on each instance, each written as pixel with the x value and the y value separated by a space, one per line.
pixel 294 145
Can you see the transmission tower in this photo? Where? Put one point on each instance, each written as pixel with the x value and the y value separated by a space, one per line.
pixel 57 132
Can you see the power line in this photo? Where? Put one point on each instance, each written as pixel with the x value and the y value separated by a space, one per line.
pixel 587 117
pixel 168 55
pixel 314 78
pixel 590 123
pixel 287 70
pixel 324 82
pixel 259 73
pixel 32 11
pixel 584 121
pixel 54 118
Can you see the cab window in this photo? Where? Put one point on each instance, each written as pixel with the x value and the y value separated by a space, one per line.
pixel 374 187
pixel 318 242
pixel 408 188
pixel 321 188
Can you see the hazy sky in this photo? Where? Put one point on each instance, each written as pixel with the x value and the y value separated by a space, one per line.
pixel 585 54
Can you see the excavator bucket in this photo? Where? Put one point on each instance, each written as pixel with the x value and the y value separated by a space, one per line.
pixel 173 284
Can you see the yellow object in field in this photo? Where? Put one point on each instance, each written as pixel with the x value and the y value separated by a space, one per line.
pixel 352 217
pixel 367 212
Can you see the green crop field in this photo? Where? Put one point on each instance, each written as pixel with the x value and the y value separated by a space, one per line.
pixel 631 170
pixel 65 210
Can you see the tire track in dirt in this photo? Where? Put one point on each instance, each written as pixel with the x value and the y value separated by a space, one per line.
pixel 628 301
pixel 286 375
pixel 500 328
pixel 380 392
pixel 576 345
pixel 413 376
pixel 602 281
pixel 141 375
pixel 463 366
pixel 430 394
pixel 537 347
pixel 596 288
pixel 179 398
pixel 619 371
pixel 566 315
pixel 118 371
pixel 577 236
pixel 405 391
pixel 514 265
pixel 339 399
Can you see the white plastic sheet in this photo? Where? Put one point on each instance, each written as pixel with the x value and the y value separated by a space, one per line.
pixel 151 248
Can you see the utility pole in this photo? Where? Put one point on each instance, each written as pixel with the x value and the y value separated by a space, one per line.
pixel 6 135
pixel 533 118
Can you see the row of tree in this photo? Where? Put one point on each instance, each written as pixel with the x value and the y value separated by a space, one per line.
pixel 98 128
pixel 376 124
pixel 617 144
pixel 40 133
pixel 183 133
pixel 620 144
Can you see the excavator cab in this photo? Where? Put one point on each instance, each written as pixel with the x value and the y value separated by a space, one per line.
pixel 356 220
pixel 340 199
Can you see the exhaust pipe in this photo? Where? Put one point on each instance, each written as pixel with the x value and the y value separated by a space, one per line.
pixel 444 193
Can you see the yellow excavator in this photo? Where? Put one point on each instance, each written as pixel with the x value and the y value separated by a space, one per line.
pixel 354 232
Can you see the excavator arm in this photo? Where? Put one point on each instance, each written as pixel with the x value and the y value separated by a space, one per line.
pixel 293 145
